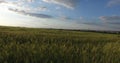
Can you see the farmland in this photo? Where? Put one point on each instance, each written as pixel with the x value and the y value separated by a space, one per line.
pixel 32 45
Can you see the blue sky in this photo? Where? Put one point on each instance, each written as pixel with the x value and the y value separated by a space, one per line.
pixel 62 14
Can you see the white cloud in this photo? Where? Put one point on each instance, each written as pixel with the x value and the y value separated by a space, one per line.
pixel 30 0
pixel 2 1
pixel 111 19
pixel 113 2
pixel 41 8
pixel 30 14
pixel 66 3
pixel 22 5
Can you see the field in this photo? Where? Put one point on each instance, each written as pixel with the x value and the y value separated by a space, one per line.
pixel 29 45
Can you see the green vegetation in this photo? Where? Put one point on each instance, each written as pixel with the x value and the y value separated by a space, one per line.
pixel 28 45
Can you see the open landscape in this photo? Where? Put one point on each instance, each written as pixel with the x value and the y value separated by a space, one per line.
pixel 59 31
pixel 33 45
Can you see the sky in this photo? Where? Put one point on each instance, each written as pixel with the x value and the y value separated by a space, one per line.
pixel 61 14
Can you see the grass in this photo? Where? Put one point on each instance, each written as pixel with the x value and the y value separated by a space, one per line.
pixel 29 45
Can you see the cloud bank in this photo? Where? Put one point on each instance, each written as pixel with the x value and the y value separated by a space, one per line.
pixel 111 19
pixel 30 14
pixel 66 3
pixel 21 6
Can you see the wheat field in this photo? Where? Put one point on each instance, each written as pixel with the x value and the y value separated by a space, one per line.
pixel 32 45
